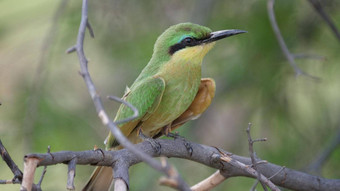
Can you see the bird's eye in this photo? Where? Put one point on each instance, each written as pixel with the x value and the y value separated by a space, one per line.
pixel 188 41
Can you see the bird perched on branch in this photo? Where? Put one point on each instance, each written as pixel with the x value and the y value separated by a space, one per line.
pixel 168 92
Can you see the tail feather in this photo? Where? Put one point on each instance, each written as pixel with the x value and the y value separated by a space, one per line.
pixel 101 179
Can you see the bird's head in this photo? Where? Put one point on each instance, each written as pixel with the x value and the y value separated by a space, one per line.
pixel 188 41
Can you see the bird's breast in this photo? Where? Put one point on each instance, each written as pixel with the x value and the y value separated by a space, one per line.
pixel 182 81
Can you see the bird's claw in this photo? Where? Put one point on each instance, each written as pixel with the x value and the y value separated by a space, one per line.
pixel 188 146
pixel 186 143
pixel 154 143
pixel 173 135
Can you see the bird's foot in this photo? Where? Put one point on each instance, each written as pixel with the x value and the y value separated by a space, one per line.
pixel 154 143
pixel 186 143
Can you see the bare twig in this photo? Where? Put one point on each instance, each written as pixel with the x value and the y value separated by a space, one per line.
pixel 318 7
pixel 253 187
pixel 44 171
pixel 278 172
pixel 252 155
pixel 90 29
pixel 99 106
pixel 257 140
pixel 11 164
pixel 309 56
pixel 284 48
pixel 42 177
pixel 71 49
pixel 280 39
pixel 249 170
pixel 168 182
pixel 135 110
pixel 16 181
pixel 71 174
pixel 210 182
pixel 263 180
pixel 30 166
pixel 172 175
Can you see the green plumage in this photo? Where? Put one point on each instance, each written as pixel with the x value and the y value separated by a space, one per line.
pixel 168 92
pixel 166 86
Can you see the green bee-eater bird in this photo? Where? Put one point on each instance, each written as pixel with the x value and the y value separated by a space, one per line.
pixel 168 92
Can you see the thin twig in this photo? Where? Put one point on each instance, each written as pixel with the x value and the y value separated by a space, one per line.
pixel 71 173
pixel 10 163
pixel 30 166
pixel 318 7
pixel 16 181
pixel 42 177
pixel 210 182
pixel 283 46
pixel 253 187
pixel 90 29
pixel 278 172
pixel 258 140
pixel 134 109
pixel 71 49
pixel 44 171
pixel 309 56
pixel 257 181
pixel 252 155
pixel 250 170
pixel 172 175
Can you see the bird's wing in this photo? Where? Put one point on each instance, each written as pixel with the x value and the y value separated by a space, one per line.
pixel 204 96
pixel 146 97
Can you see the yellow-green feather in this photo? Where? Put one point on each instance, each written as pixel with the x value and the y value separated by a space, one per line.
pixel 180 73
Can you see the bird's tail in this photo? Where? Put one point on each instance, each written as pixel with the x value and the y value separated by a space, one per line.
pixel 101 179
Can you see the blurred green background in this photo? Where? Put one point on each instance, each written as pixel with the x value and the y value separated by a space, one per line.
pixel 45 101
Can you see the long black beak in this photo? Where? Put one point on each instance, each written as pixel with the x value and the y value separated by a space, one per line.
pixel 217 35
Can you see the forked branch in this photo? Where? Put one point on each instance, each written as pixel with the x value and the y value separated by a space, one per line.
pixel 229 165
pixel 289 56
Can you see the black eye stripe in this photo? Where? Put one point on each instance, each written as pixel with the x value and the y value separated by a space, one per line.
pixel 189 41
pixel 174 48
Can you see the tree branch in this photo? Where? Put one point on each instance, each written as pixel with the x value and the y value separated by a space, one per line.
pixel 44 171
pixel 71 174
pixel 29 169
pixel 253 158
pixel 319 9
pixel 11 164
pixel 289 56
pixel 206 155
pixel 210 182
